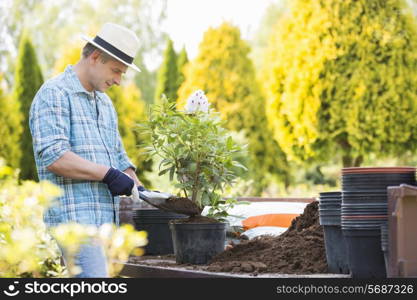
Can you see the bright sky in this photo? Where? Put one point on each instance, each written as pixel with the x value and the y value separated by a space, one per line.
pixel 187 20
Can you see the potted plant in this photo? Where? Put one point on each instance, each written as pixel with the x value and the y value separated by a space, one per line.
pixel 198 153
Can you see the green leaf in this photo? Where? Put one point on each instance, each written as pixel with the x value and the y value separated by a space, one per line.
pixel 229 143
pixel 163 172
pixel 239 165
pixel 171 173
pixel 164 162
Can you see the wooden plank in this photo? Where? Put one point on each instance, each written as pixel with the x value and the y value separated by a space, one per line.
pixel 134 270
pixel 146 271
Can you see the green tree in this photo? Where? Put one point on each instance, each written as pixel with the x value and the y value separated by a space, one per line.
pixel 265 155
pixel 146 82
pixel 59 22
pixel 182 61
pixel 167 82
pixel 27 247
pixel 341 78
pixel 224 71
pixel 11 128
pixel 27 81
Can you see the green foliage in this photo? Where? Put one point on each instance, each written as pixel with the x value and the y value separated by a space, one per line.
pixel 131 110
pixel 59 22
pixel 182 62
pixel 27 247
pixel 224 71
pixel 341 78
pixel 69 56
pixel 167 82
pixel 146 82
pixel 265 155
pixel 196 151
pixel 10 130
pixel 28 80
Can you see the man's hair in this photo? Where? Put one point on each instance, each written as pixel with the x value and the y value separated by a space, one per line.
pixel 89 49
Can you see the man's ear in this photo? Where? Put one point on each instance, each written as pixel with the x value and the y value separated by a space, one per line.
pixel 94 57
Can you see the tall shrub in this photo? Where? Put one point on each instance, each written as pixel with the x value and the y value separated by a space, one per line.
pixel 10 129
pixel 27 81
pixel 167 81
pixel 341 79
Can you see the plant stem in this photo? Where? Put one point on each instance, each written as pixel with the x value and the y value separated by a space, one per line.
pixel 179 178
pixel 196 185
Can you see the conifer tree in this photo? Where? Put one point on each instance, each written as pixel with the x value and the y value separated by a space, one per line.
pixel 10 129
pixel 27 81
pixel 167 81
pixel 341 78
pixel 182 61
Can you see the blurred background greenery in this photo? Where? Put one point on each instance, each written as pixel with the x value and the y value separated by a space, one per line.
pixel 320 85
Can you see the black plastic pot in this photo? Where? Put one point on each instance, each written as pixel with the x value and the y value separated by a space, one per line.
pixel 384 242
pixel 155 223
pixel 381 179
pixel 331 220
pixel 363 211
pixel 366 259
pixel 330 194
pixel 336 250
pixel 362 196
pixel 378 181
pixel 197 243
pixel 330 208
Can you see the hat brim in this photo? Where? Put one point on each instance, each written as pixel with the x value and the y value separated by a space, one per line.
pixel 90 40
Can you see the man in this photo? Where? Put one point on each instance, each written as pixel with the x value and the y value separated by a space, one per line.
pixel 76 141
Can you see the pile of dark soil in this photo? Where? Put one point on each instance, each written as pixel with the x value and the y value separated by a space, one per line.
pixel 299 250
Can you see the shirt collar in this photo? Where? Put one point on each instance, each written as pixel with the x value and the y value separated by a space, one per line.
pixel 76 85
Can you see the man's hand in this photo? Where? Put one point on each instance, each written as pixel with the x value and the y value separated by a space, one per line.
pixel 132 174
pixel 118 182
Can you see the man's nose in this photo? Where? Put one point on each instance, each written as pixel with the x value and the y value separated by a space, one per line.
pixel 117 79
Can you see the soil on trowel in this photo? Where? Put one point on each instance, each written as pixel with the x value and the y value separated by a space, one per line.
pixel 299 250
pixel 178 205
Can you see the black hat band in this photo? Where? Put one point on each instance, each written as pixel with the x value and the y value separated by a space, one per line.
pixel 113 50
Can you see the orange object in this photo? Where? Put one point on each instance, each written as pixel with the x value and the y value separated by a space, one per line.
pixel 279 220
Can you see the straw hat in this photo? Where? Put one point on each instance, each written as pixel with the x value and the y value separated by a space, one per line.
pixel 117 41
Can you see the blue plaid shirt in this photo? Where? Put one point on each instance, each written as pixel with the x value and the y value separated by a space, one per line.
pixel 66 117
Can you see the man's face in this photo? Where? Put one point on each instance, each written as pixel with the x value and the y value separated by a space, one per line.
pixel 104 75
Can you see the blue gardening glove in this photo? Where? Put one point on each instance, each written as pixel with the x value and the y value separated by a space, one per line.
pixel 118 182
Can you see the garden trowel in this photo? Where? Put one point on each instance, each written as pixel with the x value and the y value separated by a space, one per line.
pixel 165 201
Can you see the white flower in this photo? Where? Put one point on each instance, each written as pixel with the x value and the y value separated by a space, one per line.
pixel 197 102
pixel 105 231
pixel 30 201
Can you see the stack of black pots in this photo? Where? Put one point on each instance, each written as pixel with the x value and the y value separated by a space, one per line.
pixel 364 212
pixel 155 223
pixel 330 218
